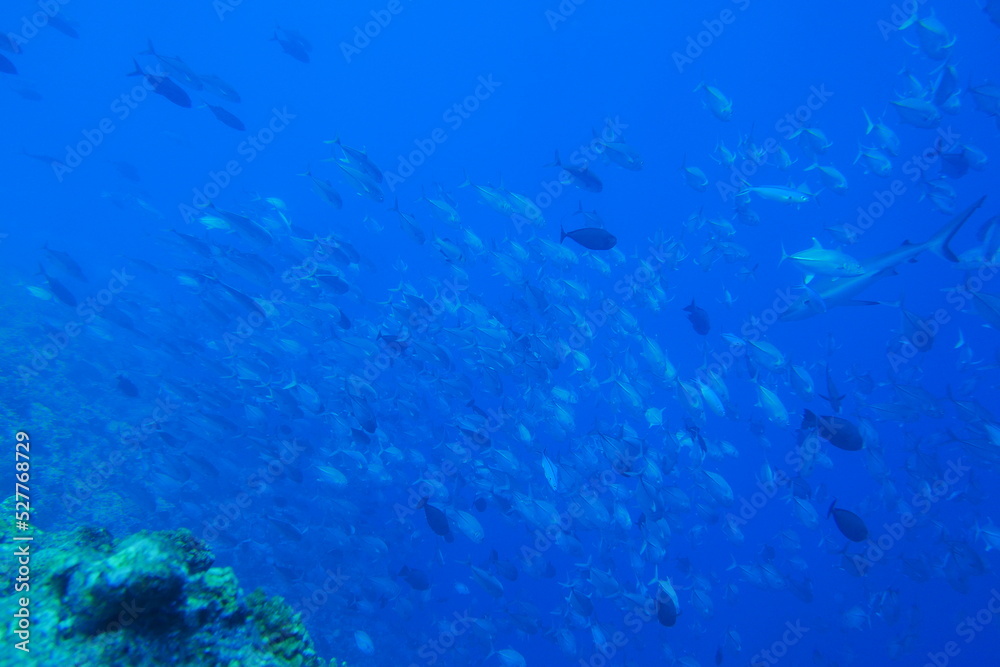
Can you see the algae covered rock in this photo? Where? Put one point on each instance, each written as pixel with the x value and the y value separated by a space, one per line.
pixel 152 598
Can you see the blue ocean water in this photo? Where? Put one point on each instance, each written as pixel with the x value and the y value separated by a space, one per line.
pixel 302 384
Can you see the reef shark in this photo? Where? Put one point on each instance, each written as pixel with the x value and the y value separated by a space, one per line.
pixel 826 293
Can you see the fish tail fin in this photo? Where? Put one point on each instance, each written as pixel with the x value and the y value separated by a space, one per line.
pixel 830 511
pixel 784 255
pixel 150 51
pixel 466 182
pixel 555 163
pixel 138 70
pixel 395 204
pixel 939 242
pixel 562 233
pixel 868 120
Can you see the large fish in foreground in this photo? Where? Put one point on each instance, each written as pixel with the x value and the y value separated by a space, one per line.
pixel 827 293
pixel 163 85
pixel 590 237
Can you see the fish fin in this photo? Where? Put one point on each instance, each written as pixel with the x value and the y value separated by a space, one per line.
pixel 138 70
pixel 150 51
pixel 939 242
pixel 562 233
pixel 555 163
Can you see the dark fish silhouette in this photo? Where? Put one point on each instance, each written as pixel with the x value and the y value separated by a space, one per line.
pixel 582 177
pixel 63 26
pixel 666 612
pixel 415 578
pixel 699 319
pixel 127 387
pixel 225 117
pixel 293 44
pixel 7 66
pixel 163 85
pixel 590 237
pixel 850 524
pixel 217 86
pixel 838 431
pixel 127 170
pixel 58 290
pixel 67 262
pixel 437 520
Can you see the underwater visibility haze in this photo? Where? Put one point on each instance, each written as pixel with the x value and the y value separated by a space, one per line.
pixel 544 332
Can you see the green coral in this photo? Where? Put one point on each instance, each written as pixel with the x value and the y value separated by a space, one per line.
pixel 151 599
